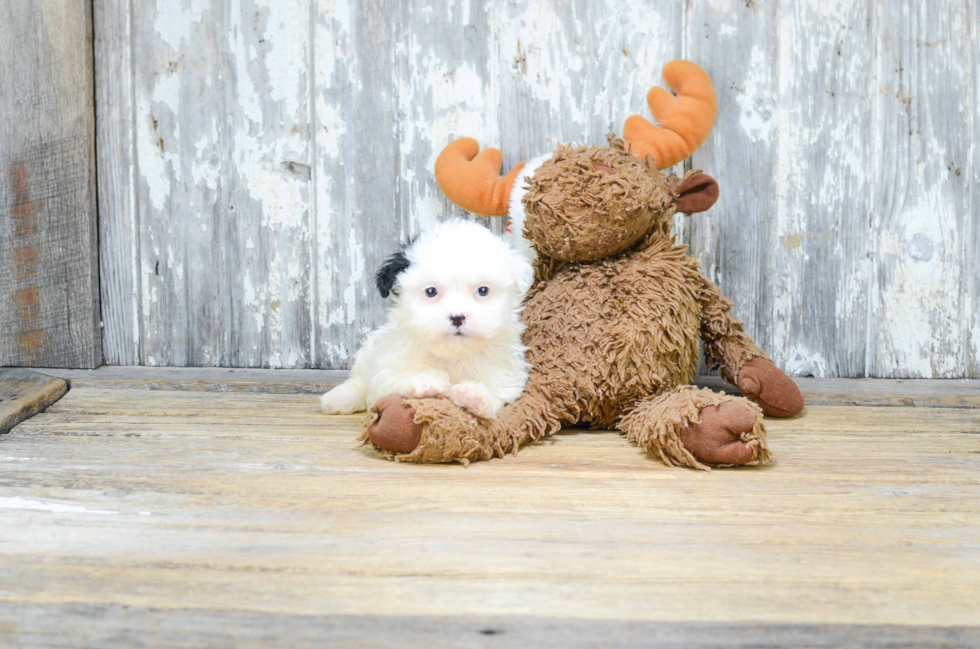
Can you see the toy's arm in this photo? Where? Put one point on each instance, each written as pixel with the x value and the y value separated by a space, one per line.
pixel 726 345
pixel 741 361
pixel 437 430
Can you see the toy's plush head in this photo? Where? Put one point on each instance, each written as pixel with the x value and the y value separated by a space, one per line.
pixel 582 204
pixel 586 203
pixel 455 286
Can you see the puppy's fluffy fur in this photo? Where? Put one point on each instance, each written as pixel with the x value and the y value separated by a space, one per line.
pixel 455 327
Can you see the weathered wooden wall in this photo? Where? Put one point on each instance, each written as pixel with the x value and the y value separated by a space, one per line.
pixel 258 158
pixel 49 275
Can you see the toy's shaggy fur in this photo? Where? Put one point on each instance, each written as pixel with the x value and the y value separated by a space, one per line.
pixel 614 321
pixel 578 212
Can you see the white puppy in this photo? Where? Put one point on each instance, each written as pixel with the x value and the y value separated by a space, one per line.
pixel 455 327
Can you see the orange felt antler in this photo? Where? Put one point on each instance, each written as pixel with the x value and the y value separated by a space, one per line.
pixel 685 120
pixel 473 181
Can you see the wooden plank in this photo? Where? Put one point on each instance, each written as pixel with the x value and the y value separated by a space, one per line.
pixel 971 300
pixel 924 393
pixel 224 158
pixel 340 277
pixel 106 626
pixel 194 511
pixel 820 245
pixel 922 191
pixel 48 239
pixel 23 394
pixel 205 379
pixel 930 393
pixel 357 92
pixel 740 154
pixel 119 241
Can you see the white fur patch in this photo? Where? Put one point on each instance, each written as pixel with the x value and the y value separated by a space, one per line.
pixel 514 233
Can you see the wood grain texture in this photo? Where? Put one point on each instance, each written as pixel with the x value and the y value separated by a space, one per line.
pixel 820 243
pixel 842 235
pixel 213 379
pixel 971 287
pixel 99 626
pixel 928 393
pixel 924 139
pixel 24 393
pixel 225 165
pixel 49 276
pixel 119 242
pixel 193 506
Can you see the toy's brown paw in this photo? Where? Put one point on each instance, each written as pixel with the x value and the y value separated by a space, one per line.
pixel 394 430
pixel 717 439
pixel 767 385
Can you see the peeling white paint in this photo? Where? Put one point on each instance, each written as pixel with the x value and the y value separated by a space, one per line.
pixel 917 294
pixel 356 272
pixel 222 148
pixel 754 100
pixel 286 34
pixel 546 59
pixel 800 361
pixel 173 25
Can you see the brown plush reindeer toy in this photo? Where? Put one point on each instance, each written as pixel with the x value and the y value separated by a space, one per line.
pixel 617 308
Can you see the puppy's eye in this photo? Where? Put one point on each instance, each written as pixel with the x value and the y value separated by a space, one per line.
pixel 483 291
pixel 431 292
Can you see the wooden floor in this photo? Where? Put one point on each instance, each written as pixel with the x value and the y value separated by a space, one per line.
pixel 136 517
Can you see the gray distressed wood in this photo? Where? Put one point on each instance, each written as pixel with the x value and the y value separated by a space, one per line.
pixel 191 509
pixel 24 393
pixel 929 393
pixel 843 234
pixel 222 131
pixel 102 626
pixel 971 287
pixel 119 241
pixel 204 379
pixel 923 140
pixel 819 267
pixel 340 282
pixel 49 295
pixel 921 393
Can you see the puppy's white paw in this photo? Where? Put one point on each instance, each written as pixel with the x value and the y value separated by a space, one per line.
pixel 425 386
pixel 476 398
pixel 342 400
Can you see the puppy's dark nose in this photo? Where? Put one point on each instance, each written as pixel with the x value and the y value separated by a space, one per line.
pixel 458 319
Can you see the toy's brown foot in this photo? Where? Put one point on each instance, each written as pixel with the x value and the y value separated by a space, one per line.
pixel 394 429
pixel 717 439
pixel 767 385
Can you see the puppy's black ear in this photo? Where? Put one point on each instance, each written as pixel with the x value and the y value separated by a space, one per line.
pixel 387 275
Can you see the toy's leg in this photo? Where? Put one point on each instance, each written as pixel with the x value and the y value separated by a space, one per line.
pixel 437 430
pixel 696 427
pixel 741 361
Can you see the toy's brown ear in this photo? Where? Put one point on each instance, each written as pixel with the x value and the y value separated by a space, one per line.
pixel 696 192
